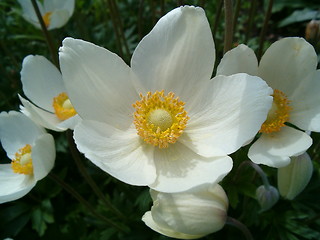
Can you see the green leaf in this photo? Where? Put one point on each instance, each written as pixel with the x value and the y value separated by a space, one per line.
pixel 299 16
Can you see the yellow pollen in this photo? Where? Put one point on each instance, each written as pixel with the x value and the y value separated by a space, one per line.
pixel 46 18
pixel 278 114
pixel 160 119
pixel 63 107
pixel 22 163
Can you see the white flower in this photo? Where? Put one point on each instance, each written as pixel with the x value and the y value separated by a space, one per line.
pixel 31 150
pixel 293 178
pixel 55 13
pixel 188 215
pixel 42 84
pixel 267 197
pixel 178 132
pixel 289 67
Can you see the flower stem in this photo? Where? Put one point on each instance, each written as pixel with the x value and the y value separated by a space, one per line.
pixel 217 17
pixel 251 19
pixel 258 169
pixel 76 157
pixel 264 28
pixel 228 37
pixel 77 196
pixel 243 228
pixel 47 36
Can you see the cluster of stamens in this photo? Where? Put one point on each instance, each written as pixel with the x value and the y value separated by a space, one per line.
pixel 160 119
pixel 22 163
pixel 63 107
pixel 46 18
pixel 278 114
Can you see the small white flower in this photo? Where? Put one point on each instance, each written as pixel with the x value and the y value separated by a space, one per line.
pixel 188 215
pixel 289 67
pixel 31 150
pixel 162 122
pixel 55 13
pixel 293 178
pixel 42 84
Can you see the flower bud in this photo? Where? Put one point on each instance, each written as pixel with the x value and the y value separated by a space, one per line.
pixel 267 197
pixel 313 30
pixel 188 215
pixel 293 178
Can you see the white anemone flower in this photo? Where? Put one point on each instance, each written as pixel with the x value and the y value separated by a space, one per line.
pixel 289 67
pixel 31 150
pixel 188 215
pixel 162 122
pixel 42 84
pixel 55 13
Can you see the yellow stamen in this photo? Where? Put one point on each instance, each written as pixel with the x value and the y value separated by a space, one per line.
pixel 46 18
pixel 278 114
pixel 160 119
pixel 22 163
pixel 63 107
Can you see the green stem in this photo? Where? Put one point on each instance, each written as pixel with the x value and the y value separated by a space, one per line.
pixel 257 168
pixel 236 15
pixel 76 156
pixel 228 36
pixel 243 228
pixel 77 196
pixel 250 20
pixel 47 36
pixel 217 17
pixel 264 29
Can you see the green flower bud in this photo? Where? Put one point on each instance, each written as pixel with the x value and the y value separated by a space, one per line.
pixel 293 178
pixel 267 197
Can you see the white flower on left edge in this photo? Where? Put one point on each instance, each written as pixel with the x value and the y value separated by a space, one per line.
pixel 188 215
pixel 162 122
pixel 289 66
pixel 31 150
pixel 55 13
pixel 42 84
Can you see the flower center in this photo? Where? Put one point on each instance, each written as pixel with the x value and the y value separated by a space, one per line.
pixel 22 163
pixel 160 119
pixel 63 107
pixel 278 114
pixel 46 18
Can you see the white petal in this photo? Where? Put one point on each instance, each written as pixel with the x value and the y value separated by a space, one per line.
pixel 240 59
pixel 13 185
pixel 179 169
pixel 28 12
pixel 286 62
pixel 122 154
pixel 41 81
pixel 98 83
pixel 274 149
pixel 43 156
pixel 177 54
pixel 70 123
pixel 17 130
pixel 59 5
pixel 148 220
pixel 58 19
pixel 305 103
pixel 41 117
pixel 228 115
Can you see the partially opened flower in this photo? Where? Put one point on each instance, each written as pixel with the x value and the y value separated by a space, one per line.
pixel 289 67
pixel 188 215
pixel 55 13
pixel 162 122
pixel 42 84
pixel 31 150
pixel 293 178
